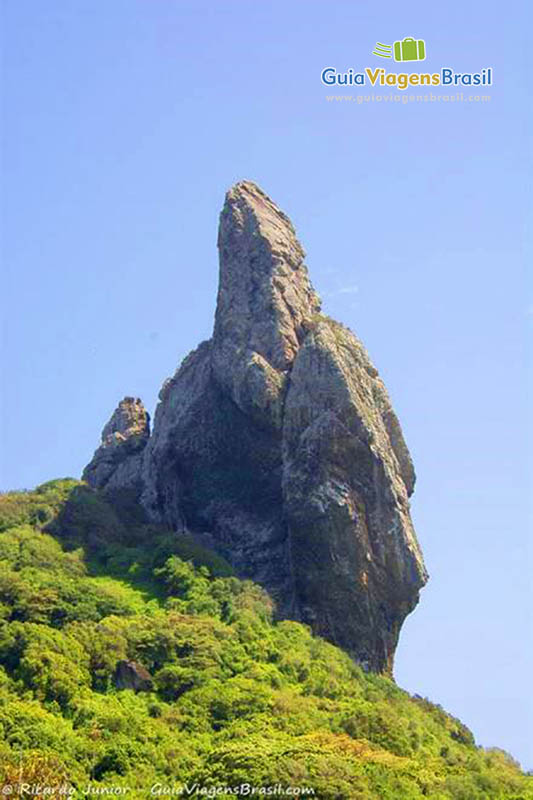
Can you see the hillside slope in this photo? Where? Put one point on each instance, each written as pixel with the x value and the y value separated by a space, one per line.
pixel 93 599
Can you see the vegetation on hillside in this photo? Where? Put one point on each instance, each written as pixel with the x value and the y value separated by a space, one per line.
pixel 236 698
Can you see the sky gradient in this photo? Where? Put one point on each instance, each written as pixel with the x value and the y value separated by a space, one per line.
pixel 123 125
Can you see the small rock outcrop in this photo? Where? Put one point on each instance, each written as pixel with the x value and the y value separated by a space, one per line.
pixel 117 462
pixel 131 675
pixel 276 442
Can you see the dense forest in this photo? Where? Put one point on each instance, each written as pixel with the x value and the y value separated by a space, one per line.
pixel 222 694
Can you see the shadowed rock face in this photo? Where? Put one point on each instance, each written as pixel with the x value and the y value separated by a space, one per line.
pixel 131 675
pixel 275 443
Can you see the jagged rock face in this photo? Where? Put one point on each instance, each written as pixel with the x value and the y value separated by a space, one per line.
pixel 264 298
pixel 117 462
pixel 345 488
pixel 276 444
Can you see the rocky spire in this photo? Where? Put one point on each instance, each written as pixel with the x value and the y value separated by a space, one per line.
pixel 276 444
pixel 117 460
pixel 264 300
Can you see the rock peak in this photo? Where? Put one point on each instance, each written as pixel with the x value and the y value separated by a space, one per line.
pixel 264 299
pixel 130 419
pixel 248 206
pixel 248 193
pixel 123 439
pixel 276 444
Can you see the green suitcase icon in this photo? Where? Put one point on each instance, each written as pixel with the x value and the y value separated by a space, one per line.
pixel 410 50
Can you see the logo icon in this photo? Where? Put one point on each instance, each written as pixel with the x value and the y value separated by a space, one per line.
pixel 407 49
pixel 382 50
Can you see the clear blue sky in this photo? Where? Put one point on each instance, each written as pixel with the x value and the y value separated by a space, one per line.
pixel 124 122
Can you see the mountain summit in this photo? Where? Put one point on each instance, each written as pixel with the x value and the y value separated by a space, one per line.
pixel 275 444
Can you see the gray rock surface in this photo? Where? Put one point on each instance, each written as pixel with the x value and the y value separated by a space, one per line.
pixel 346 483
pixel 277 441
pixel 117 462
pixel 264 298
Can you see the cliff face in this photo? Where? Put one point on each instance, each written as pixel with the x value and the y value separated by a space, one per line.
pixel 276 444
